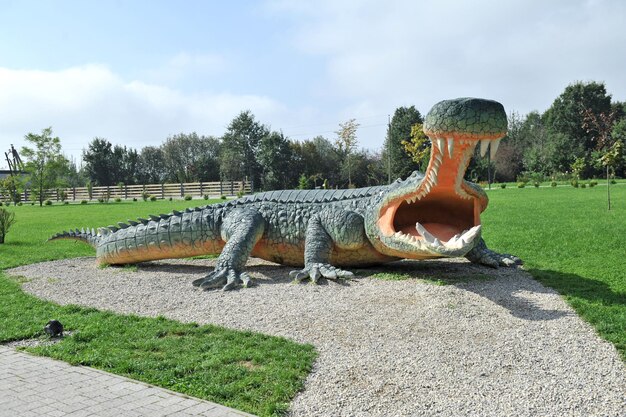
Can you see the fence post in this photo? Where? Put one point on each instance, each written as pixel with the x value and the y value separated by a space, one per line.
pixel 182 190
pixel 73 193
pixel 221 190
pixel 125 192
pixel 201 190
pixel 232 186
pixel 162 191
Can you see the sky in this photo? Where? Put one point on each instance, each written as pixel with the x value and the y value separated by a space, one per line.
pixel 136 72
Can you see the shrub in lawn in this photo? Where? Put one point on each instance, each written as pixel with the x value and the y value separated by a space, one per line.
pixel 613 182
pixel 583 185
pixel 188 197
pixel 521 184
pixel 206 196
pixel 536 184
pixel 593 183
pixel 118 200
pixel 7 218
pixel 100 200
pixel 240 194
pixel 170 199
pixel 145 196
pixel 66 202
pixel 223 197
pixel 553 184
pixel 0 203
pixel 153 198
pixel 575 183
pixel 134 198
pixel 503 185
pixel 48 203
pixel 83 201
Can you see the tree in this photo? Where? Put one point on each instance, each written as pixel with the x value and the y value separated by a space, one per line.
pixel 600 126
pixel 346 143
pixel 11 188
pixel 151 166
pixel 98 161
pixel 418 146
pixel 275 156
pixel 399 163
pixel 189 157
pixel 45 164
pixel 240 147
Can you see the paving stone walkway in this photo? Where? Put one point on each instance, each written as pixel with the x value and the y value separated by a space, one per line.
pixel 32 386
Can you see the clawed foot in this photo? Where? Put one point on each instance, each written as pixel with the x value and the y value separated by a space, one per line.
pixel 317 270
pixel 225 277
pixel 484 256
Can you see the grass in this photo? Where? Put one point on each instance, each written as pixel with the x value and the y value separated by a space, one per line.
pixel 244 370
pixel 569 241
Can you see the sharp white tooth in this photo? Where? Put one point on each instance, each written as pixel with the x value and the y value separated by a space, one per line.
pixel 425 233
pixel 471 233
pixel 484 144
pixel 494 148
pixel 440 145
pixel 450 146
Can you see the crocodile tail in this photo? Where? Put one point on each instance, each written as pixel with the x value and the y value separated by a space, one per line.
pixel 87 236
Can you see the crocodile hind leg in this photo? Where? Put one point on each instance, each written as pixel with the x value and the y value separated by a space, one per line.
pixel 341 228
pixel 241 230
pixel 485 256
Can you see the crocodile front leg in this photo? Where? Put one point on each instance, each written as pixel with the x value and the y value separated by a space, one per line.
pixel 485 256
pixel 341 228
pixel 241 229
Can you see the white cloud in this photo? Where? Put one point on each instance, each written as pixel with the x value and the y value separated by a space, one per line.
pixel 81 103
pixel 522 53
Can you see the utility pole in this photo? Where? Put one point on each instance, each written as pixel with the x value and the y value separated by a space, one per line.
pixel 388 149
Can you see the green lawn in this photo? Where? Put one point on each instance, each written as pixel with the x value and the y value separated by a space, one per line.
pixel 248 371
pixel 566 237
pixel 569 241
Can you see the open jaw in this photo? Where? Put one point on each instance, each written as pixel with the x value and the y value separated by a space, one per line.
pixel 441 216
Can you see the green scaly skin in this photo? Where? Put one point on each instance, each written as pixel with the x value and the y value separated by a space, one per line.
pixel 323 231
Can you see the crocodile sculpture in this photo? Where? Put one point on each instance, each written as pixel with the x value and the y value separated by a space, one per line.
pixel 430 215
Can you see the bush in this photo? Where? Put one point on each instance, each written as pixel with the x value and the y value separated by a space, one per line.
pixel 223 197
pixel 170 199
pixel 153 198
pixel 553 184
pixel 7 218
pixel 118 200
pixel 536 184
pixel 188 197
pixel 239 194
pixel 66 202
pixel 134 198
pixel 521 184
pixel 83 201
pixel 0 203
pixel 206 196
pixel 503 185
pixel 145 196
pixel 593 183
pixel 100 200
pixel 575 183
pixel 48 203
pixel 613 182
pixel 583 185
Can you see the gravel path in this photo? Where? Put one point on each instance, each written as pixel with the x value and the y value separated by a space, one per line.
pixel 491 343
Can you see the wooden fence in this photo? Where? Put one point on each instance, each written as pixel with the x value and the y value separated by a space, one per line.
pixel 161 191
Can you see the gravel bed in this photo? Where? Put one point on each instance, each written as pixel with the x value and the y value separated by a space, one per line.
pixel 489 343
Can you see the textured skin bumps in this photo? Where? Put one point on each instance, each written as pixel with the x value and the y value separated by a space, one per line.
pixel 469 118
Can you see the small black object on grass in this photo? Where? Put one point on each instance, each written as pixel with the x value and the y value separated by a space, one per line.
pixel 54 328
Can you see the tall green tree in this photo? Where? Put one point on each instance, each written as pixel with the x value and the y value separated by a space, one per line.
pixel 400 164
pixel 151 167
pixel 46 166
pixel 98 162
pixel 275 157
pixel 189 157
pixel 345 144
pixel 240 148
